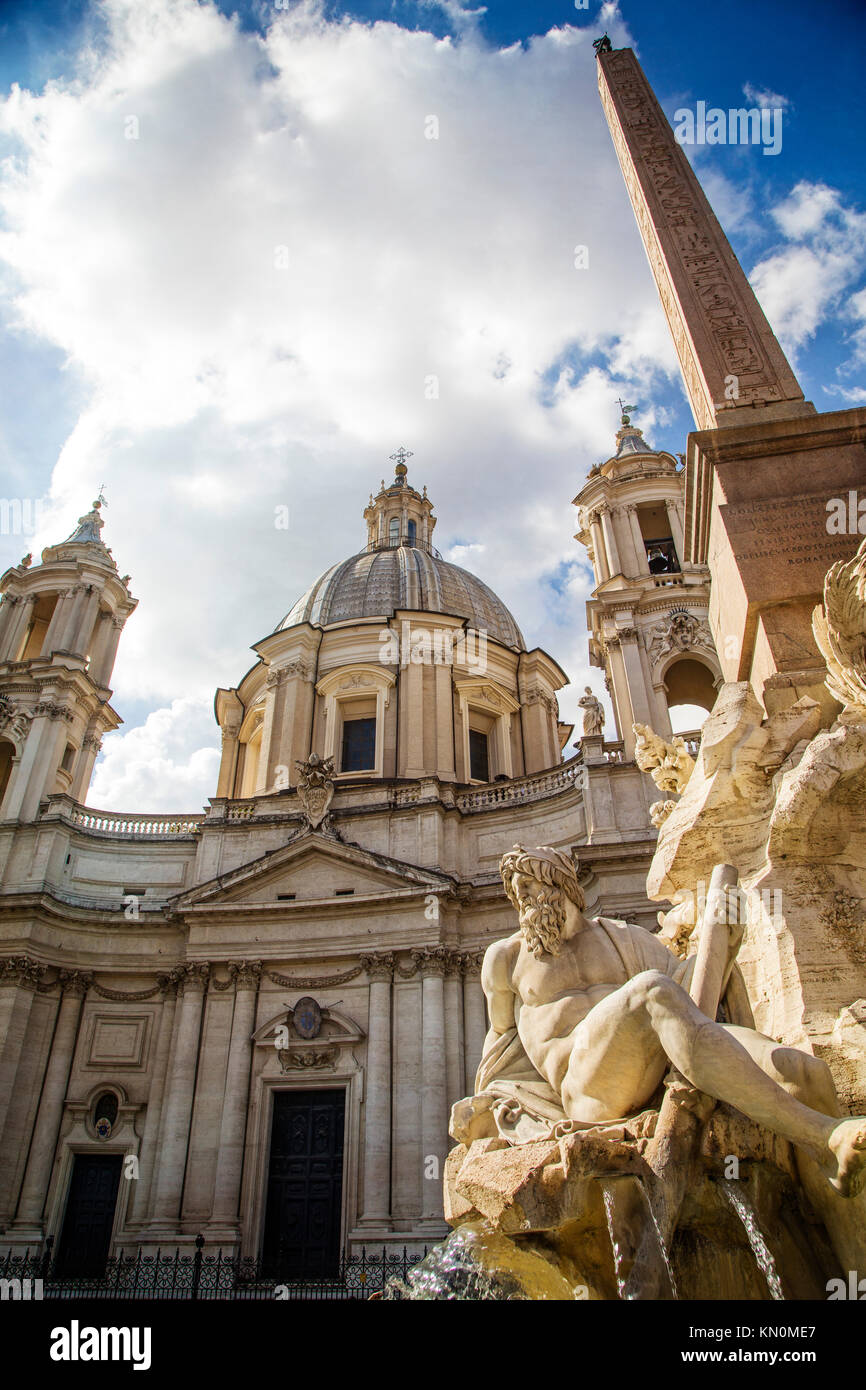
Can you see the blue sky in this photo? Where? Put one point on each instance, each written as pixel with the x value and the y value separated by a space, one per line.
pixel 145 341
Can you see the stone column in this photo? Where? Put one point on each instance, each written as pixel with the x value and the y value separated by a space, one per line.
pixel 474 1015
pixel 454 1063
pixel 377 1095
pixel 37 1177
pixel 272 685
pixel 445 765
pixel 8 613
pixel 18 980
pixel 67 629
pixel 179 1099
pixel 637 536
pixel 230 1157
pixel 638 684
pixel 40 759
pixel 431 962
pixel 59 618
pixel 155 1098
pixel 90 746
pixel 598 548
pixel 17 625
pixel 83 630
pixel 610 541
pixel 412 719
pixel 228 762
pixel 676 526
pixel 101 674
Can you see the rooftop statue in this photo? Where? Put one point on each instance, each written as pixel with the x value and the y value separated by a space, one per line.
pixel 588 1014
pixel 593 713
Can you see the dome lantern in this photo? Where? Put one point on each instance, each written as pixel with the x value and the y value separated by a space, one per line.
pixel 398 515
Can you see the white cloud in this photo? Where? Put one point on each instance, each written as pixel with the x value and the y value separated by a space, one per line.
pixel 162 765
pixel 761 96
pixel 802 285
pixel 220 385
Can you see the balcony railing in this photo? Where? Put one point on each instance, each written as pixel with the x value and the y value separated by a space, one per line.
pixel 522 789
pixel 121 823
pixel 415 542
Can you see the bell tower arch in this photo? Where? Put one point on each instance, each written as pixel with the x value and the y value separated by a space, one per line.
pixel 647 613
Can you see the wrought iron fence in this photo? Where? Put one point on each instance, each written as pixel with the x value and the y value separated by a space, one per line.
pixel 199 1276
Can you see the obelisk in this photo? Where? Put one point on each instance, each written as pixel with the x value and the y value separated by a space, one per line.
pixel 765 473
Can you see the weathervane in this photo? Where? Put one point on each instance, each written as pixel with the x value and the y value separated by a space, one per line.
pixel 624 409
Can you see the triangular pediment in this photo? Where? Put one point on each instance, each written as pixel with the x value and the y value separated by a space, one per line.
pixel 314 867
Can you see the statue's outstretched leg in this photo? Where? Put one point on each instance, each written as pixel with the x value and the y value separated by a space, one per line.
pixel 652 1012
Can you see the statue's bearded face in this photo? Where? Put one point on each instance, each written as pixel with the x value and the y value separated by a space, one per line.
pixel 542 914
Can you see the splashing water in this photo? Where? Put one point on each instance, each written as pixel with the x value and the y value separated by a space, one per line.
pixel 607 1193
pixel 641 1276
pixel 455 1270
pixel 746 1212
pixel 661 1240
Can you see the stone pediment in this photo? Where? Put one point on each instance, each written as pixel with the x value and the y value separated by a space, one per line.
pixel 292 1049
pixel 313 868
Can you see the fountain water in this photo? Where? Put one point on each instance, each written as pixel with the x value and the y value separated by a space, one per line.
pixel 648 1202
pixel 746 1212
pixel 477 1263
pixel 637 1243
pixel 618 1253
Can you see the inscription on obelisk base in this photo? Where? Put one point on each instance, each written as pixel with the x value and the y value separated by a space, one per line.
pixel 763 464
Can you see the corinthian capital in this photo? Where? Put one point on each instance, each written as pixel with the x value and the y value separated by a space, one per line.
pixel 245 973
pixel 75 981
pixel 379 965
pixel 431 960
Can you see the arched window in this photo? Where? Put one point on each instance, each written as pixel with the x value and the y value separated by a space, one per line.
pixel 394 531
pixel 412 532
pixel 105 1108
pixel 691 694
pixel 105 1114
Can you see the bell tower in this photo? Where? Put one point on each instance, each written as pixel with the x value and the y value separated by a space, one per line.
pixel 647 614
pixel 60 624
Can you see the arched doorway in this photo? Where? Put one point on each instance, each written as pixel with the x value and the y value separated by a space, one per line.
pixel 691 692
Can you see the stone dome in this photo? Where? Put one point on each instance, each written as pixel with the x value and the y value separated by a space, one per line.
pixel 376 582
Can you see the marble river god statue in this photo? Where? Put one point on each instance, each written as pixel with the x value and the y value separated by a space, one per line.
pixel 587 1015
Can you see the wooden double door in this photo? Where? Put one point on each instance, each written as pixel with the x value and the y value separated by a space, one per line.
pixel 305 1185
pixel 89 1220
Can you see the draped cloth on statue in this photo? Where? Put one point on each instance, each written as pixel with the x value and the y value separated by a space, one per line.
pixel 513 1101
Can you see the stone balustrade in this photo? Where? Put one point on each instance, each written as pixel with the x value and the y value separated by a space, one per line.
pixel 521 789
pixel 122 824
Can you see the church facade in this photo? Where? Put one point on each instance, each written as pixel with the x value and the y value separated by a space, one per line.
pixel 251 1023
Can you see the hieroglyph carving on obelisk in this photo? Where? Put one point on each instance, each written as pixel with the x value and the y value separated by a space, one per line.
pixel 728 353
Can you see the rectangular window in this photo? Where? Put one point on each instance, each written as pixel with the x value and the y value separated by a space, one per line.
pixel 359 745
pixel 479 763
